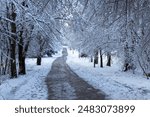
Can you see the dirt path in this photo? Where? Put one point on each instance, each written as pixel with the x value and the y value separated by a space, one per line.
pixel 64 84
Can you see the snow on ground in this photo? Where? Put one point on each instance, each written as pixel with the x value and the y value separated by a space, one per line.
pixel 111 80
pixel 30 86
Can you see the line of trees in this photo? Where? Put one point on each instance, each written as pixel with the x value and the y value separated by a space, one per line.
pixel 94 27
pixel 108 26
pixel 25 28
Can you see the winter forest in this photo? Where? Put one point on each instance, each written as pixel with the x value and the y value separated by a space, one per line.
pixel 105 43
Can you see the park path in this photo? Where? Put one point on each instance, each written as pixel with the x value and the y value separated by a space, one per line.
pixel 64 84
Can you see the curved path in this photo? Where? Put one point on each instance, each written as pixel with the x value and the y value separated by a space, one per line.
pixel 64 84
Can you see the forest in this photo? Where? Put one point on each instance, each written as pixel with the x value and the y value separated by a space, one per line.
pixel 96 28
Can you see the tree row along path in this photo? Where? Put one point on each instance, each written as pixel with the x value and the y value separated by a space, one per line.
pixel 64 84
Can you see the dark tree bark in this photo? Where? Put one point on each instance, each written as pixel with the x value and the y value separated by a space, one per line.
pixel 21 55
pixel 41 43
pixel 22 50
pixel 126 67
pixel 91 59
pixel 39 60
pixel 13 59
pixel 1 63
pixel 22 67
pixel 95 58
pixel 127 58
pixel 13 44
pixel 108 59
pixel 23 47
pixel 101 58
pixel 39 56
pixel 6 65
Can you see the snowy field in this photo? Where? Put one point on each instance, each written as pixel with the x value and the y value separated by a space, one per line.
pixel 30 86
pixel 111 80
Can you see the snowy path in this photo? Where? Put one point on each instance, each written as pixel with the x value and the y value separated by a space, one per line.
pixel 63 84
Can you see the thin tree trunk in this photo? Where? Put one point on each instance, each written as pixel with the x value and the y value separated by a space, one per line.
pixel 39 56
pixel 13 60
pixel 91 59
pixel 1 64
pixel 7 61
pixel 101 58
pixel 108 59
pixel 39 60
pixel 95 58
pixel 126 48
pixel 6 66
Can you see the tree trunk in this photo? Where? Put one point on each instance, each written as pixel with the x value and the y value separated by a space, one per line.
pixel 13 44
pixel 22 68
pixel 127 58
pixel 41 43
pixel 91 59
pixel 21 56
pixel 6 67
pixel 1 63
pixel 22 47
pixel 126 67
pixel 95 58
pixel 108 59
pixel 13 60
pixel 101 58
pixel 39 60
